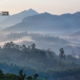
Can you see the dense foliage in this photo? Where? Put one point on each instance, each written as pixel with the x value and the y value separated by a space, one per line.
pixel 46 63
pixel 20 76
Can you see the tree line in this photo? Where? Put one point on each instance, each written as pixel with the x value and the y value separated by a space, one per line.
pixel 21 76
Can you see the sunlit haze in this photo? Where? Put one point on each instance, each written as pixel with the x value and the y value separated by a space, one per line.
pixel 51 6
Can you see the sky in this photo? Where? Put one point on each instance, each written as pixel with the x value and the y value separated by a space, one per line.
pixel 51 6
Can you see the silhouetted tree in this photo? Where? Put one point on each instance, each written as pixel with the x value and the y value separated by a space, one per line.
pixel 24 48
pixel 29 78
pixel 1 74
pixel 21 75
pixel 33 46
pixel 62 55
pixel 35 76
pixel 49 53
pixel 11 44
pixel 6 45
pixel 17 47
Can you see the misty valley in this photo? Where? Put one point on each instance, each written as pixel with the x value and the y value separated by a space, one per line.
pixel 40 46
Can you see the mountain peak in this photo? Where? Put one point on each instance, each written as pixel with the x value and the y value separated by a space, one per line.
pixel 27 11
pixel 77 13
pixel 30 9
pixel 47 13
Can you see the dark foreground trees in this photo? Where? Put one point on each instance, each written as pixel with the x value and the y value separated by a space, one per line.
pixel 68 74
pixel 20 76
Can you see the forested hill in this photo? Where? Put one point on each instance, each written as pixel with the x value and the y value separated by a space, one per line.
pixel 46 63
pixel 69 74
pixel 38 58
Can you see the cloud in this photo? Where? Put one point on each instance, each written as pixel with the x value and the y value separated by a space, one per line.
pixel 20 40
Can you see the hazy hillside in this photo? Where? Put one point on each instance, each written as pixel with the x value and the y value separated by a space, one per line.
pixel 32 60
pixel 2 18
pixel 75 34
pixel 46 22
pixel 74 37
pixel 33 57
pixel 42 41
pixel 41 22
pixel 16 18
pixel 73 19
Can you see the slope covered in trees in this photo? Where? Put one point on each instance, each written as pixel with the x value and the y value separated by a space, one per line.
pixel 38 58
pixel 69 74
pixel 46 63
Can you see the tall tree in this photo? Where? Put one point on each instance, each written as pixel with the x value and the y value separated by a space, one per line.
pixel 35 76
pixel 33 46
pixel 62 55
pixel 1 75
pixel 24 48
pixel 22 76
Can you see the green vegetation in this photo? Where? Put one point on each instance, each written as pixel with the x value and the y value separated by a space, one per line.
pixel 70 74
pixel 32 60
pixel 20 76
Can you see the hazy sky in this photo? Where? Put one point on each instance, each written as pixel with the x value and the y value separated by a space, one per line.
pixel 51 6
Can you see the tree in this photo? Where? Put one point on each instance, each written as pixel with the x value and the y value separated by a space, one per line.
pixel 6 45
pixel 35 76
pixel 24 48
pixel 49 53
pixel 29 78
pixel 21 75
pixel 62 55
pixel 1 74
pixel 10 76
pixel 17 47
pixel 33 46
pixel 11 44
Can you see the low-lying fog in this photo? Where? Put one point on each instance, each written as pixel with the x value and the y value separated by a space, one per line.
pixel 54 41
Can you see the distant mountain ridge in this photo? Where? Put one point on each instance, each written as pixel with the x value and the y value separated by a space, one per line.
pixel 3 17
pixel 75 34
pixel 16 18
pixel 43 21
pixel 48 22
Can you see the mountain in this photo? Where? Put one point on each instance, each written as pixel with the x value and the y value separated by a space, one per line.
pixel 40 22
pixel 16 18
pixel 72 19
pixel 2 18
pixel 30 56
pixel 75 34
pixel 48 22
pixel 42 41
